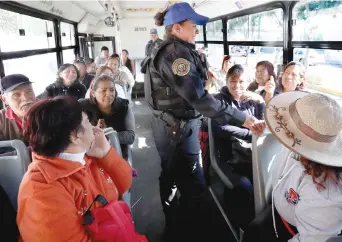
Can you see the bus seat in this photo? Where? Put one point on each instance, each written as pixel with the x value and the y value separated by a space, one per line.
pixel 223 179
pixel 13 168
pixel 214 161
pixel 127 153
pixel 335 239
pixel 121 92
pixel 112 136
pixel 264 150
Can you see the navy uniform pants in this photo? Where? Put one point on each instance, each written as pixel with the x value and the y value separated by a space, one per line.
pixel 181 170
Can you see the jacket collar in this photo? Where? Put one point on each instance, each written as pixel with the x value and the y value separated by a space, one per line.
pixel 75 84
pixel 9 114
pixel 173 38
pixel 54 168
pixel 225 92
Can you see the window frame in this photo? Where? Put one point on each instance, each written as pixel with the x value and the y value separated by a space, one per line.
pixel 25 10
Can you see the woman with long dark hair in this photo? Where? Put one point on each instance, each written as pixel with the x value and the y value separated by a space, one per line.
pixel 104 104
pixel 67 84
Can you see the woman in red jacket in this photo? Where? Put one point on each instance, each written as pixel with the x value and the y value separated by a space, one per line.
pixel 72 164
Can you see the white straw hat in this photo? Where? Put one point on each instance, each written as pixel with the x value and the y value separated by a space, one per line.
pixel 308 124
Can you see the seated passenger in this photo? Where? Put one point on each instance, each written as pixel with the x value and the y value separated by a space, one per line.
pixel 232 140
pixel 85 78
pixel 227 63
pixel 105 104
pixel 91 66
pixel 101 60
pixel 128 62
pixel 67 84
pixel 131 79
pixel 17 93
pixel 264 77
pixel 104 70
pixel 306 174
pixel 119 77
pixel 72 163
pixel 293 79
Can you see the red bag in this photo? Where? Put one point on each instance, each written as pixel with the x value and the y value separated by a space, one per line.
pixel 112 222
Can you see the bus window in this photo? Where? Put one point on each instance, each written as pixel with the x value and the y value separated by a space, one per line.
pixel 264 26
pixel 68 34
pixel 21 32
pixel 41 69
pixel 68 56
pixel 311 19
pixel 249 56
pixel 199 36
pixel 214 31
pixel 215 55
pixel 323 69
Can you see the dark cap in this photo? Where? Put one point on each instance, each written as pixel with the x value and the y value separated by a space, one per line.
pixel 183 11
pixel 10 82
pixel 153 31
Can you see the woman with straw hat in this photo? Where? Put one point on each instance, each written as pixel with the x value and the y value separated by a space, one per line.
pixel 306 175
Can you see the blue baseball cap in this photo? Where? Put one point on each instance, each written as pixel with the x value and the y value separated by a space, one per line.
pixel 183 11
pixel 153 31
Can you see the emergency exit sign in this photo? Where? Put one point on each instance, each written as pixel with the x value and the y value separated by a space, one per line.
pixel 140 29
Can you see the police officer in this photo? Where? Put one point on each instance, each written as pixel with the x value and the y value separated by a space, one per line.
pixel 154 42
pixel 174 86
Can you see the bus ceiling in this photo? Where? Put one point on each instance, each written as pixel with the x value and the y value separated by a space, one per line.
pixel 89 14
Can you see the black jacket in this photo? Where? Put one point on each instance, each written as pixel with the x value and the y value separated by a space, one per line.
pixel 121 119
pixel 180 66
pixel 223 133
pixel 87 80
pixel 152 45
pixel 77 90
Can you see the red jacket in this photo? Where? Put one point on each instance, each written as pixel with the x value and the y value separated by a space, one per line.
pixel 54 194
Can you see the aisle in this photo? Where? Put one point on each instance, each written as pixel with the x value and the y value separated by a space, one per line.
pixel 147 212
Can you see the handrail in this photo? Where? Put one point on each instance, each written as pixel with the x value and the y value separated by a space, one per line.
pixel 222 177
pixel 112 136
pixel 213 159
pixel 258 183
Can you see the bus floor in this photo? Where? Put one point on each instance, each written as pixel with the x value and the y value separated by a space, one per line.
pixel 146 207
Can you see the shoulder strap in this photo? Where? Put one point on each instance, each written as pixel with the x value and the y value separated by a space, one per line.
pixel 87 217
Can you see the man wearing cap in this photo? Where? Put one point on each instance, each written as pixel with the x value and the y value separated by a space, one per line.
pixel 176 79
pixel 17 93
pixel 155 42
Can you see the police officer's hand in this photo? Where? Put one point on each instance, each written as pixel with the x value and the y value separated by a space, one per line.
pixel 255 125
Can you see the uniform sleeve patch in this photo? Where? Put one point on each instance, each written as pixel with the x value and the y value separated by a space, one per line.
pixel 181 67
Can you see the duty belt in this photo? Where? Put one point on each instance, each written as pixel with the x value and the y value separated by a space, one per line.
pixel 175 127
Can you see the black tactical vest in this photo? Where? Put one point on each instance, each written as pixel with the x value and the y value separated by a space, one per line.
pixel 159 94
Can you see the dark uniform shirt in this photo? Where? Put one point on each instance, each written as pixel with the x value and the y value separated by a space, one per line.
pixel 179 64
pixel 152 45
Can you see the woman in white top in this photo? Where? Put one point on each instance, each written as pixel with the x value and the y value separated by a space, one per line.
pixel 227 63
pixel 306 174
pixel 104 70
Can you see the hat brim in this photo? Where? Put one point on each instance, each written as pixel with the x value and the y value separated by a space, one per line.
pixel 15 86
pixel 198 19
pixel 329 154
